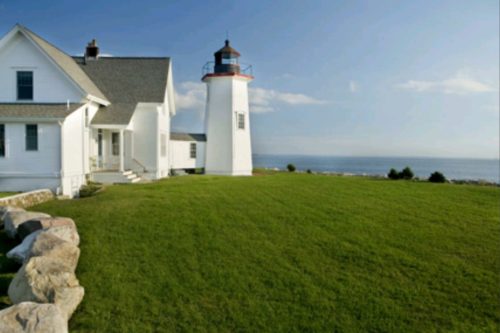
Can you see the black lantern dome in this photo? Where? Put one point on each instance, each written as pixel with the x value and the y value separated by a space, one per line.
pixel 226 60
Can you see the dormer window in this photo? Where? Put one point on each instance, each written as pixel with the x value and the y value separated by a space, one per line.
pixel 25 85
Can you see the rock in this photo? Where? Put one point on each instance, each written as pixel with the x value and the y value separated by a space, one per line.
pixel 28 227
pixel 33 318
pixel 49 245
pixel 47 280
pixel 13 219
pixel 20 252
pixel 5 209
pixel 66 233
pixel 32 225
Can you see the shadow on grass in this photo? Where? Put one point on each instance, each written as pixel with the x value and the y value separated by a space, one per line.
pixel 7 268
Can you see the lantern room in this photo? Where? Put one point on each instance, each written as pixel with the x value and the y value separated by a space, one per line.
pixel 226 60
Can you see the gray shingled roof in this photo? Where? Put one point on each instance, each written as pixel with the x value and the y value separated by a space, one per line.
pixel 66 63
pixel 126 81
pixel 188 137
pixel 41 111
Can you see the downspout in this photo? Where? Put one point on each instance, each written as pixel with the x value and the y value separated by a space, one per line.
pixel 158 144
pixel 61 173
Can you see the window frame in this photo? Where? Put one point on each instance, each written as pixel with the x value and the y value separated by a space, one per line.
pixel 115 145
pixel 240 121
pixel 29 145
pixel 20 85
pixel 193 152
pixel 2 141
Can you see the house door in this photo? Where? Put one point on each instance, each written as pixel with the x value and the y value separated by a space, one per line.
pixel 115 150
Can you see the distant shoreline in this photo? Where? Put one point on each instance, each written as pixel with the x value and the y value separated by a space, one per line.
pixel 459 170
pixel 381 176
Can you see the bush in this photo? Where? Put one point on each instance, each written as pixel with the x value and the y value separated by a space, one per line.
pixel 89 190
pixel 290 167
pixel 393 174
pixel 406 173
pixel 437 177
pixel 309 171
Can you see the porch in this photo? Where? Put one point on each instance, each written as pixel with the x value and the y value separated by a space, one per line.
pixel 111 156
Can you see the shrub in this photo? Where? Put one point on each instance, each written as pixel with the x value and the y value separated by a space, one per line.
pixel 406 173
pixel 393 174
pixel 437 177
pixel 309 171
pixel 89 190
pixel 290 167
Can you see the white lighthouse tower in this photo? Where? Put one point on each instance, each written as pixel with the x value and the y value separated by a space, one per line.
pixel 227 121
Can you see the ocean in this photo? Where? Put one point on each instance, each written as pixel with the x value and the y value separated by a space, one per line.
pixel 452 168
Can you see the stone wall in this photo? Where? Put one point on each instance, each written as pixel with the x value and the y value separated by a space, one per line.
pixel 28 199
pixel 45 291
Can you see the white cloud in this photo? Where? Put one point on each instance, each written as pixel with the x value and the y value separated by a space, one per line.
pixel 353 86
pixel 460 84
pixel 192 96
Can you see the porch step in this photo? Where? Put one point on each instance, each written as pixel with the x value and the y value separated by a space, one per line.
pixel 115 177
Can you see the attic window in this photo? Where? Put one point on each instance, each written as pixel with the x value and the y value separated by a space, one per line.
pixel 24 85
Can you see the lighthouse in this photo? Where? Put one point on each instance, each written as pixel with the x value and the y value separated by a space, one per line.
pixel 227 121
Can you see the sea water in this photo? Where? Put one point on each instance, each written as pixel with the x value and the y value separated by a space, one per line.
pixel 452 168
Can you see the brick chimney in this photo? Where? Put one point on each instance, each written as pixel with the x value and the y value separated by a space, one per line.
pixel 92 51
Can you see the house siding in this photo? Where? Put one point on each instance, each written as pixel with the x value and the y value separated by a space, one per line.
pixel 22 170
pixel 50 85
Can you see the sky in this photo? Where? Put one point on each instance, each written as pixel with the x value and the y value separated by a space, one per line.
pixel 344 78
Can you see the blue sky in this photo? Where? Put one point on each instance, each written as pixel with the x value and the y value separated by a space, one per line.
pixel 352 78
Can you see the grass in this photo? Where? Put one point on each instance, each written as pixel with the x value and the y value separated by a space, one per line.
pixel 7 194
pixel 287 253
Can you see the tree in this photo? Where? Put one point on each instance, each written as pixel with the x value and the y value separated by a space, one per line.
pixel 406 173
pixel 437 177
pixel 393 174
pixel 290 167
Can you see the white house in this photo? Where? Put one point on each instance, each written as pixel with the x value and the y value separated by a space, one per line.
pixel 65 120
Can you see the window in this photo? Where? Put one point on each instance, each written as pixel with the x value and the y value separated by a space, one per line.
pixel 115 143
pixel 31 137
pixel 24 85
pixel 241 121
pixel 2 140
pixel 192 150
pixel 86 117
pixel 163 145
pixel 99 142
pixel 229 61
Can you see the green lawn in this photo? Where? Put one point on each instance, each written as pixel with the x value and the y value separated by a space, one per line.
pixel 7 194
pixel 285 253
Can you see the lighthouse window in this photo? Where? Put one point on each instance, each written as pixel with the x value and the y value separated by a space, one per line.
pixel 241 121
pixel 229 61
pixel 192 150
